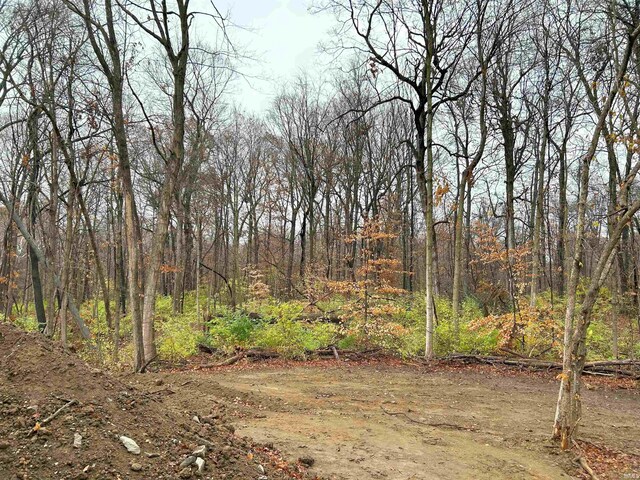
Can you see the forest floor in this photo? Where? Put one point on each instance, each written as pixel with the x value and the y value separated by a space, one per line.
pixel 61 419
pixel 389 420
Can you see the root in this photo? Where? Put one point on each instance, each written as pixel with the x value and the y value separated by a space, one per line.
pixel 585 466
pixel 580 460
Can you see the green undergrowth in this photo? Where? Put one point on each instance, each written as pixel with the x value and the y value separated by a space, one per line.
pixel 396 326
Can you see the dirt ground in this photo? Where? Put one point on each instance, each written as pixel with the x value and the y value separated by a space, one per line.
pixel 404 422
pixel 61 419
pixel 377 419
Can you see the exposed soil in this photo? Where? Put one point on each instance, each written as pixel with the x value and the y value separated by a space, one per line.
pixel 37 377
pixel 377 419
pixel 382 421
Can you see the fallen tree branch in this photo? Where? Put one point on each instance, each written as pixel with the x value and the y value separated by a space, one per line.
pixel 230 360
pixel 258 354
pixel 52 416
pixel 58 412
pixel 598 367
pixel 253 354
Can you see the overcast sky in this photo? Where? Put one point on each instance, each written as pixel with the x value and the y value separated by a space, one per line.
pixel 282 36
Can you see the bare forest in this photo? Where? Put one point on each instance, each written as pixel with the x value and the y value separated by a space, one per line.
pixel 453 191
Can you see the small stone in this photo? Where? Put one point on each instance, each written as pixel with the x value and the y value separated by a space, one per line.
pixel 261 468
pixel 307 461
pixel 200 451
pixel 190 460
pixel 226 450
pixel 196 419
pixel 4 444
pixel 200 464
pixel 130 445
pixel 77 440
pixel 185 473
pixel 152 454
pixel 43 431
pixel 136 467
pixel 263 477
pixel 209 419
pixel 159 382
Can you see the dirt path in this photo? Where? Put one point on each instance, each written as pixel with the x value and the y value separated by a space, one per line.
pixel 399 423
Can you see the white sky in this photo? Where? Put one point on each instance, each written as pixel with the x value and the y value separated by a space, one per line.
pixel 283 37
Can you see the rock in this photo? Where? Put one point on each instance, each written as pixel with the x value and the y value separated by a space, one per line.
pixel 152 454
pixel 226 450
pixel 130 445
pixel 185 473
pixel 209 419
pixel 136 467
pixel 200 464
pixel 307 461
pixel 261 468
pixel 159 382
pixel 196 419
pixel 77 440
pixel 200 451
pixel 263 477
pixel 4 444
pixel 190 460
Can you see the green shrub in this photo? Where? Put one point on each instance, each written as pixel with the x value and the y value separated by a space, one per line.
pixel 290 337
pixel 27 321
pixel 347 342
pixel 177 337
pixel 322 335
pixel 231 329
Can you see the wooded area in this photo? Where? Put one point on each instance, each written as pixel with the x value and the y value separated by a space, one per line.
pixel 459 156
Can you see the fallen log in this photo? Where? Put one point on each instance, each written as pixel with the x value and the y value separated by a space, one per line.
pixel 258 354
pixel 254 354
pixel 206 349
pixel 600 366
pixel 611 363
pixel 335 353
pixel 319 317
